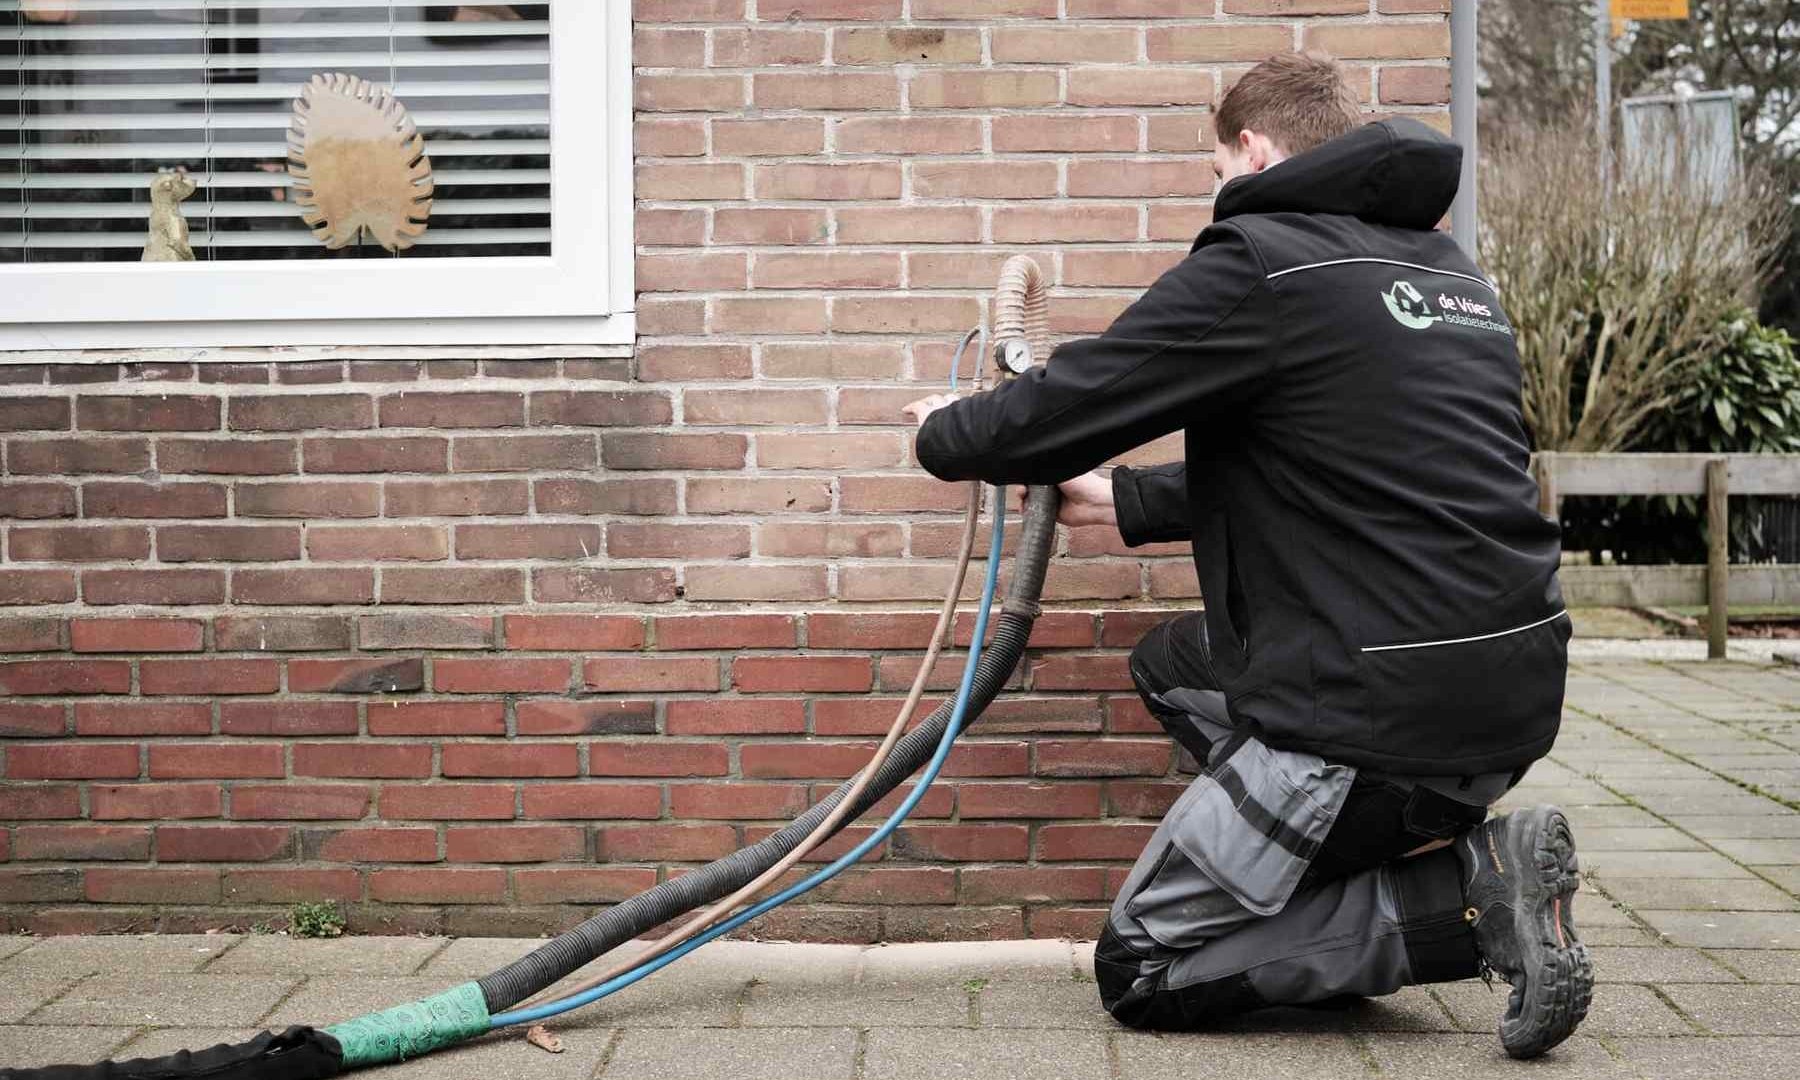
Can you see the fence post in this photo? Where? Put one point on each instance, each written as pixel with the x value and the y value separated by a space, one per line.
pixel 1718 551
pixel 1548 501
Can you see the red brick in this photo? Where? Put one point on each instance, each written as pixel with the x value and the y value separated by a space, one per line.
pixel 136 635
pixel 27 677
pixel 1063 45
pixel 1415 85
pixel 592 585
pixel 779 225
pixel 26 802
pixel 308 802
pixel 664 843
pixel 697 180
pixel 362 760
pixel 421 886
pixel 287 718
pixel 129 885
pixel 661 451
pixel 1139 177
pixel 114 499
pixel 461 585
pixel 764 674
pixel 309 499
pixel 457 498
pixel 514 843
pixel 599 885
pixel 600 408
pixel 735 716
pixel 984 89
pixel 769 315
pixel 286 885
pixel 1076 671
pixel 737 802
pixel 609 716
pixel 431 409
pixel 1102 757
pixel 40 885
pixel 117 718
pixel 298 412
pixel 500 676
pixel 963 843
pixel 436 717
pixel 81 843
pixel 1128 798
pixel 1386 40
pixel 522 453
pixel 733 582
pixel 425 630
pixel 592 801
pixel 764 47
pixel 1025 715
pixel 222 843
pixel 573 632
pixel 904 225
pixel 1068 134
pixel 885 46
pixel 832 849
pixel 1114 268
pixel 376 675
pixel 447 801
pixel 1028 800
pixel 160 412
pixel 383 845
pixel 891 885
pixel 42 634
pixel 627 495
pixel 511 759
pixel 1217 43
pixel 383 543
pixel 843 181
pixel 79 543
pixel 799 539
pixel 988 179
pixel 22 720
pixel 71 457
pixel 35 414
pixel 688 92
pixel 659 758
pixel 870 630
pixel 826 90
pixel 1092 840
pixel 780 760
pixel 21 502
pixel 236 456
pixel 770 137
pixel 180 761
pixel 210 675
pixel 227 543
pixel 408 454
pixel 629 674
pixel 682 540
pixel 668 48
pixel 758 494
pixel 862 715
pixel 1018 884
pixel 726 632
pixel 812 270
pixel 137 802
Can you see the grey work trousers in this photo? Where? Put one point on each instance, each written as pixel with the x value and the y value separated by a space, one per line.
pixel 1278 878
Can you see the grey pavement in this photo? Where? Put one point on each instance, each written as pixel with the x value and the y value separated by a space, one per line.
pixel 1682 779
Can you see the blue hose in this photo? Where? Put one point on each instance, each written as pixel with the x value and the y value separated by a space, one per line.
pixel 849 858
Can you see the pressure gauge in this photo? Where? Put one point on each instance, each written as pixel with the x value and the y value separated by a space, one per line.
pixel 1013 354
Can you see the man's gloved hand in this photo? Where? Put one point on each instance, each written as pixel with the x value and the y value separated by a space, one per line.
pixel 1087 500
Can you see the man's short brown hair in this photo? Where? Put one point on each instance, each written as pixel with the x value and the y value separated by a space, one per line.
pixel 1298 100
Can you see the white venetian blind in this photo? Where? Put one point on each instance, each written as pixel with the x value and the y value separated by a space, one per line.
pixel 97 96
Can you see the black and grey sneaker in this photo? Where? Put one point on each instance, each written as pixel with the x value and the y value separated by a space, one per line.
pixel 1519 880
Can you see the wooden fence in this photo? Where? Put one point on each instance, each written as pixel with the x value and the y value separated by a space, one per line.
pixel 1715 476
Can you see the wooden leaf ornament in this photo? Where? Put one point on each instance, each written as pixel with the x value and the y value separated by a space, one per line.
pixel 358 163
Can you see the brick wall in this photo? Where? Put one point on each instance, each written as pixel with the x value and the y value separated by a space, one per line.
pixel 474 645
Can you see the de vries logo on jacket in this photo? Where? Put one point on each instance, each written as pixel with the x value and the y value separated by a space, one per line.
pixel 1409 307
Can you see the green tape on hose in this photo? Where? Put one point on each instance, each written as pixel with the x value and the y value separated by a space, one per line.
pixel 418 1027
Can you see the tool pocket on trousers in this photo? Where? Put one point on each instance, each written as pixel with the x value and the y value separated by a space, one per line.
pixel 1255 819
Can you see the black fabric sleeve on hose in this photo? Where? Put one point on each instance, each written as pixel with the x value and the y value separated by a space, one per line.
pixel 613 927
pixel 299 1053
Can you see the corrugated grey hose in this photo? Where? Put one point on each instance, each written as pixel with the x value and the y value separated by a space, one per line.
pixel 613 927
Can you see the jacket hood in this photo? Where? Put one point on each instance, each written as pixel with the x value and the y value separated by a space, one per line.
pixel 1397 172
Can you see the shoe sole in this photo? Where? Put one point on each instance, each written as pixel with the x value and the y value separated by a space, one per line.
pixel 1559 983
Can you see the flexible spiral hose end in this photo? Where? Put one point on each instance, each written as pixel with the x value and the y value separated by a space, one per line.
pixel 1022 307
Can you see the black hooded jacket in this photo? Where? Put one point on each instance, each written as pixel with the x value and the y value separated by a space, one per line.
pixel 1381 589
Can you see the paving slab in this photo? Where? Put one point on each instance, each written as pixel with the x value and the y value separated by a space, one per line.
pixel 278 954
pixel 1699 894
pixel 204 1000
pixel 1617 1009
pixel 766 1054
pixel 507 1054
pixel 1238 1056
pixel 1041 1004
pixel 39 1045
pixel 1748 826
pixel 949 1054
pixel 22 995
pixel 471 958
pixel 1049 960
pixel 1761 851
pixel 913 1003
pixel 1593 839
pixel 1728 929
pixel 136 953
pixel 11 944
pixel 1710 1059
pixel 1607 865
pixel 1657 965
pixel 1434 1057
pixel 1741 1010
pixel 1758 966
pixel 328 999
pixel 163 1041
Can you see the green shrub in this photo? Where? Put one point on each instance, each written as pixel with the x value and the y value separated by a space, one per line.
pixel 1742 397
pixel 320 919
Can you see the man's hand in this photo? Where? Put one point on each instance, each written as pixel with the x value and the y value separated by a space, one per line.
pixel 1087 500
pixel 925 406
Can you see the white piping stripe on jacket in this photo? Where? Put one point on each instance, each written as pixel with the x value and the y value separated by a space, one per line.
pixel 1391 262
pixel 1464 640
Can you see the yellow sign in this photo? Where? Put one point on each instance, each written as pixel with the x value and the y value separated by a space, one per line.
pixel 1650 9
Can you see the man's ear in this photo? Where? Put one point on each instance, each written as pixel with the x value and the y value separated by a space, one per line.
pixel 1254 149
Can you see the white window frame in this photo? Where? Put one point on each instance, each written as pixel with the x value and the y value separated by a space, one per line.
pixel 580 294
